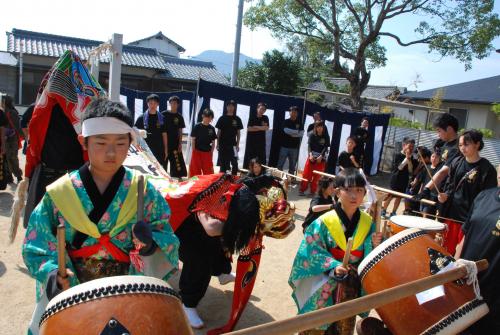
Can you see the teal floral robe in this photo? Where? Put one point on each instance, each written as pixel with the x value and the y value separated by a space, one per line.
pixel 40 243
pixel 312 287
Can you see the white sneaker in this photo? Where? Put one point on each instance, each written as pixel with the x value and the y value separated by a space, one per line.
pixel 194 319
pixel 226 278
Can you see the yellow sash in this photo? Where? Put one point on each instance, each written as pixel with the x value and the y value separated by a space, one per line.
pixel 64 196
pixel 332 221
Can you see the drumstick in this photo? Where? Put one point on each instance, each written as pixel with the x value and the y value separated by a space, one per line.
pixel 347 253
pixel 283 172
pixel 384 229
pixel 438 217
pixel 140 198
pixel 403 195
pixel 428 171
pixel 378 215
pixel 61 254
pixel 349 308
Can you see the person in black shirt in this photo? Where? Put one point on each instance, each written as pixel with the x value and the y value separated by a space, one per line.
pixel 154 124
pixel 203 142
pixel 316 118
pixel 25 120
pixel 228 138
pixel 322 202
pixel 3 163
pixel 434 166
pixel 290 141
pixel 258 125
pixel 348 158
pixel 468 176
pixel 360 135
pixel 402 171
pixel 446 126
pixel 318 145
pixel 482 241
pixel 420 174
pixel 174 123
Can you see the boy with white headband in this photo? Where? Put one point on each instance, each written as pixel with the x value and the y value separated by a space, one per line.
pixel 98 206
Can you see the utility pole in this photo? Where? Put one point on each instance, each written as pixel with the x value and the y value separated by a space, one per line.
pixel 20 91
pixel 115 71
pixel 237 42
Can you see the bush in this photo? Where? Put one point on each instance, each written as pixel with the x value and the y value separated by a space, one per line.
pixel 403 123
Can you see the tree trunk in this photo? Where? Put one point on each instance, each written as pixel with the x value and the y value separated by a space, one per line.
pixel 356 102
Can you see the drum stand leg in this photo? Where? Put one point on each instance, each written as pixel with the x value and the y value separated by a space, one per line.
pixel 371 326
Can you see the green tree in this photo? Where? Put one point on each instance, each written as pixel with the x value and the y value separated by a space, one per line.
pixel 278 73
pixel 349 31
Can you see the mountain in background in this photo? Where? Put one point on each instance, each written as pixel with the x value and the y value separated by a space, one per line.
pixel 223 61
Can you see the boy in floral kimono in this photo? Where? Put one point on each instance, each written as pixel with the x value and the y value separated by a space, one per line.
pixel 98 206
pixel 317 268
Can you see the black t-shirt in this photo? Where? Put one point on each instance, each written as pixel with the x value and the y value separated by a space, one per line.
pixel 257 138
pixel 154 130
pixel 465 181
pixel 319 143
pixel 449 150
pixel 345 159
pixel 287 140
pixel 173 122
pixel 482 241
pixel 360 136
pixel 204 136
pixel 401 178
pixel 311 216
pixel 229 126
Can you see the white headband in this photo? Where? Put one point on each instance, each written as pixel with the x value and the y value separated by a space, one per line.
pixel 105 125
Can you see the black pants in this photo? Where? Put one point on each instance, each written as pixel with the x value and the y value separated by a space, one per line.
pixel 202 257
pixel 177 165
pixel 227 159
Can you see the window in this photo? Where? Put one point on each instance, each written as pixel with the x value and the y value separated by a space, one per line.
pixel 461 115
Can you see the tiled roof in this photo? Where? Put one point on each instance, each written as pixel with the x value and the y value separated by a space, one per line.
pixel 7 59
pixel 372 91
pixel 49 45
pixel 485 90
pixel 160 35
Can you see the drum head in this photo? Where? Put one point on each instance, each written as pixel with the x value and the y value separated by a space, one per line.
pixel 409 221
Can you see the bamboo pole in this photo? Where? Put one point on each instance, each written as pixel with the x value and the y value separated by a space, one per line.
pixel 61 254
pixel 349 308
pixel 324 174
pixel 438 217
pixel 402 195
pixel 284 173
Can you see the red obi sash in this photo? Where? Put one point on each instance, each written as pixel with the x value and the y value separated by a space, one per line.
pixel 105 242
pixel 338 253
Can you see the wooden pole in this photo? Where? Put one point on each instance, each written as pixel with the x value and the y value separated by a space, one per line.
pixel 352 307
pixel 402 195
pixel 140 198
pixel 61 254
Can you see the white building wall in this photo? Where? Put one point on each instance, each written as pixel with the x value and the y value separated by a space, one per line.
pixel 162 46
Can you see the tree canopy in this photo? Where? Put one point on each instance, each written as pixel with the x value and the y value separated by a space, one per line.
pixel 277 73
pixel 346 34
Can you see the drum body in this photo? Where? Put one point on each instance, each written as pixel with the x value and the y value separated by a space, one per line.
pixel 116 305
pixel 408 256
pixel 398 223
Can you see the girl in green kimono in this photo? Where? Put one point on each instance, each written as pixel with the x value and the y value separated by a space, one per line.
pixel 98 206
pixel 317 267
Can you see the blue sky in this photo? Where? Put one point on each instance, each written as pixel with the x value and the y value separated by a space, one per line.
pixel 202 25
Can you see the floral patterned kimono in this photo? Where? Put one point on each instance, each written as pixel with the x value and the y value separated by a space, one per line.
pixel 322 250
pixel 107 230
